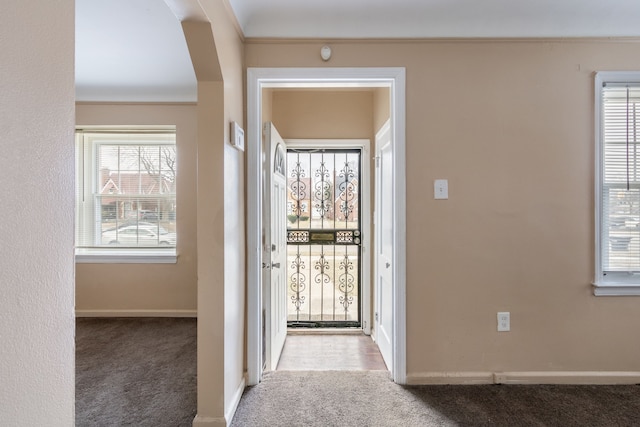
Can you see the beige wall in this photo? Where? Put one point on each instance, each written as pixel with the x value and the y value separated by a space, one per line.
pixel 36 194
pixel 216 51
pixel 231 55
pixel 267 102
pixel 300 114
pixel 381 107
pixel 510 125
pixel 139 288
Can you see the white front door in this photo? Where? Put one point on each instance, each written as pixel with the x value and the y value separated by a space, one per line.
pixel 383 317
pixel 275 246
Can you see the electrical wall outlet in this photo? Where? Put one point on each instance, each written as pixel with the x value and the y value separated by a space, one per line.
pixel 504 321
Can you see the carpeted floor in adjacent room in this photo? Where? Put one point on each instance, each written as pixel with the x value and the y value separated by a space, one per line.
pixel 135 372
pixel 142 372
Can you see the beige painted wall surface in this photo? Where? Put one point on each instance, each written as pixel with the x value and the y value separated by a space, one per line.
pixel 510 125
pixel 381 107
pixel 231 53
pixel 156 287
pixel 210 223
pixel 267 102
pixel 299 114
pixel 36 193
pixel 221 363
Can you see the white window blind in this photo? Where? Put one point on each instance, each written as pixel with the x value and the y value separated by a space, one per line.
pixel 126 190
pixel 618 176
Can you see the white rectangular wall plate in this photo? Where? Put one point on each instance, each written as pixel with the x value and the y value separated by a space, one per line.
pixel 504 321
pixel 237 136
pixel 441 189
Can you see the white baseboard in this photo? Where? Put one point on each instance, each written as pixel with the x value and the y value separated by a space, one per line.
pixel 136 313
pixel 199 421
pixel 568 377
pixel 525 377
pixel 432 378
pixel 231 410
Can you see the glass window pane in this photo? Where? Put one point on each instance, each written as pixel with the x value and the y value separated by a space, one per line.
pixel 129 200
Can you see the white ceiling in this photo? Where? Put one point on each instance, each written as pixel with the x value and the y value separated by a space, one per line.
pixel 438 18
pixel 134 50
pixel 131 50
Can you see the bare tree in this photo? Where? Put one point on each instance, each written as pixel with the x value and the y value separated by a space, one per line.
pixel 160 161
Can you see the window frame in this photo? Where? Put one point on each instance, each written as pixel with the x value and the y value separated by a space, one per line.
pixel 608 283
pixel 86 176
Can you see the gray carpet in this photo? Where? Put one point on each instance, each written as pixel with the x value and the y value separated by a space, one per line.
pixel 370 398
pixel 135 372
pixel 142 372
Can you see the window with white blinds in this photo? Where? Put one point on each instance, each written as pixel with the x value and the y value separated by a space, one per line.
pixel 618 182
pixel 126 192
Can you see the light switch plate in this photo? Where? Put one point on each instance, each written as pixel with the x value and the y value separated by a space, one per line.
pixel 237 136
pixel 441 189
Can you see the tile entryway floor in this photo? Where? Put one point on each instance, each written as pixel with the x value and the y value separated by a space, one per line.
pixel 320 352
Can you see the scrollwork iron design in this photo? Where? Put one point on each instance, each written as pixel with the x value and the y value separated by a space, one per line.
pixel 322 265
pixel 323 237
pixel 297 236
pixel 297 283
pixel 298 188
pixel 348 189
pixel 322 191
pixel 344 236
pixel 346 283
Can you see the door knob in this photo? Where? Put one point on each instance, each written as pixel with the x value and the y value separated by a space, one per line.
pixel 275 264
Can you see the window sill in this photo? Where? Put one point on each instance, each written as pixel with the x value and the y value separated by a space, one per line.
pixel 615 289
pixel 126 256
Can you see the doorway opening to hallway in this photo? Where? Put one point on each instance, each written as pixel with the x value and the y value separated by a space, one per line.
pixel 308 264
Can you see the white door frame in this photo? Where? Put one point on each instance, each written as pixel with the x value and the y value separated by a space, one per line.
pixel 262 78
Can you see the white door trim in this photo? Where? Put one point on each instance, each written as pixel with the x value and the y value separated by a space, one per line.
pixel 365 202
pixel 261 78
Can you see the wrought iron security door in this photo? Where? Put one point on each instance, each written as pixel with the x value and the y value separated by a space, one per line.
pixel 323 237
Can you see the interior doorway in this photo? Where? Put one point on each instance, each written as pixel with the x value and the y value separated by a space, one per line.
pixel 263 79
pixel 319 279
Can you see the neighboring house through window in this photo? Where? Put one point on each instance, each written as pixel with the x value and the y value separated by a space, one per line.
pixel 126 195
pixel 617 183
